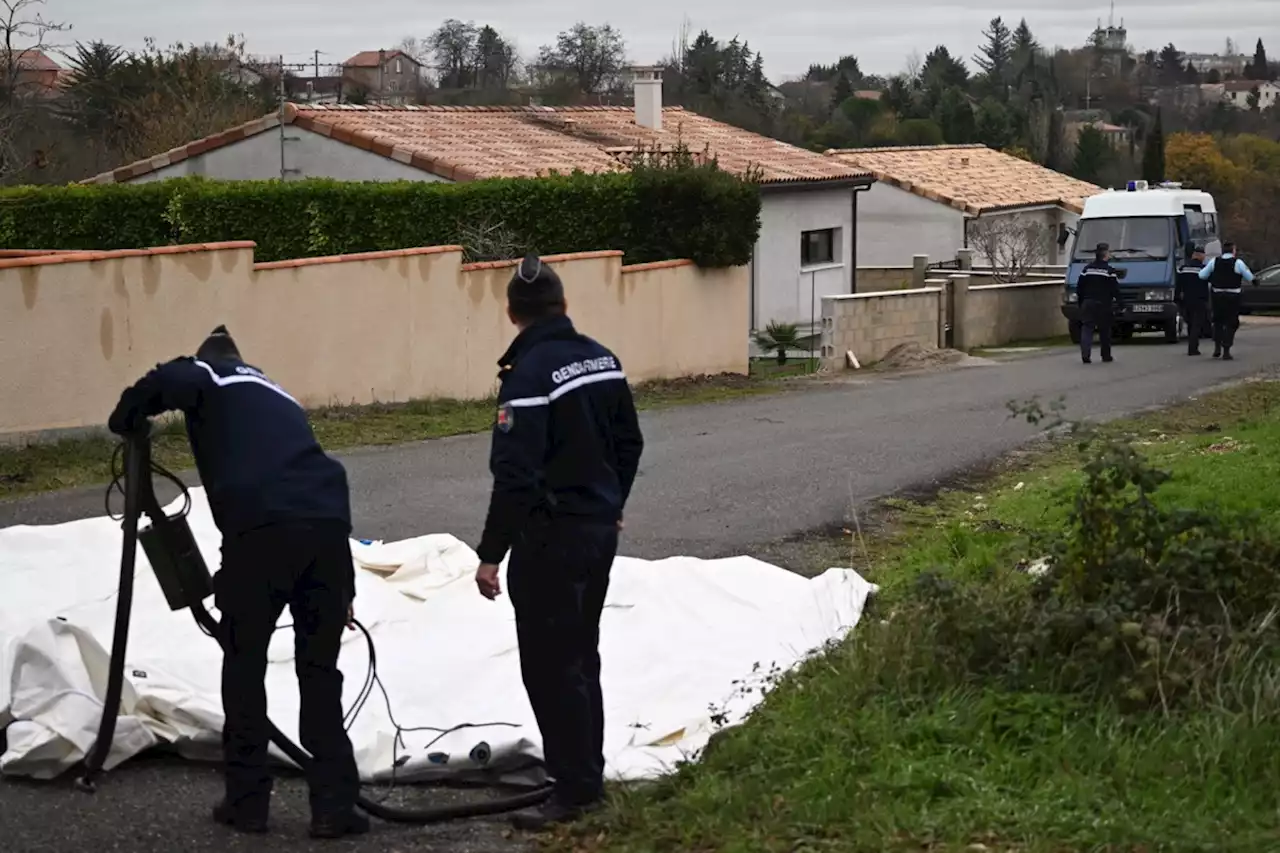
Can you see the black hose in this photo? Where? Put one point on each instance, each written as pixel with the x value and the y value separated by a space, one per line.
pixel 137 461
pixel 140 497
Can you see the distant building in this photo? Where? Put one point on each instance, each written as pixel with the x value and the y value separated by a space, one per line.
pixel 1111 44
pixel 34 73
pixel 385 76
pixel 1238 92
pixel 1118 136
pixel 1224 65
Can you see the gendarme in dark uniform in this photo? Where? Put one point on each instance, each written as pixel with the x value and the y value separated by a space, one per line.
pixel 1226 275
pixel 283 508
pixel 1098 291
pixel 566 448
pixel 1191 294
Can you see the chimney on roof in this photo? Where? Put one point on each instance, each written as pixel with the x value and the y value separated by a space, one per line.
pixel 648 96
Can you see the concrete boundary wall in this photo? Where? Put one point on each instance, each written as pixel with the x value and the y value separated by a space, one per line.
pixel 998 314
pixel 871 324
pixel 76 328
pixel 946 312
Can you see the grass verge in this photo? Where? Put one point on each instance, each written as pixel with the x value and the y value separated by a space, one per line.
pixel 979 709
pixel 86 461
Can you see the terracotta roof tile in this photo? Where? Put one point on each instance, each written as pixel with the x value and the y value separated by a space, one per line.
pixel 973 178
pixel 30 59
pixel 370 58
pixel 494 142
pixel 469 143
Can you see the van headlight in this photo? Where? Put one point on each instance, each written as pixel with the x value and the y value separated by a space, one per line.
pixel 1156 296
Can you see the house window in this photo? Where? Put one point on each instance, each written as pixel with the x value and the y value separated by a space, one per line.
pixel 399 67
pixel 395 85
pixel 819 247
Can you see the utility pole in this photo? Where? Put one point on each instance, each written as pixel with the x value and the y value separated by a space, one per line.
pixel 382 69
pixel 283 170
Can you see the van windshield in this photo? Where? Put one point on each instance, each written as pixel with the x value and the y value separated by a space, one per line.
pixel 1130 238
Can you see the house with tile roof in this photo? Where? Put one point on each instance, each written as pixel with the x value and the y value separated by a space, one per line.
pixel 384 76
pixel 806 250
pixel 1239 92
pixel 34 72
pixel 940 191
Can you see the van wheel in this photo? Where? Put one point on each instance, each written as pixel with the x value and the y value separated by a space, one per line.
pixel 1073 329
pixel 1172 329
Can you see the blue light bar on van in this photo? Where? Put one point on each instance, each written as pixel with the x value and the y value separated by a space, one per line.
pixel 1134 186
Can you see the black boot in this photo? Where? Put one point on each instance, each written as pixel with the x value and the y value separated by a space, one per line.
pixel 339 825
pixel 252 821
pixel 551 813
pixel 1226 354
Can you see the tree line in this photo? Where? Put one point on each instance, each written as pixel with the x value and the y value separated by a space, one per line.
pixel 1015 94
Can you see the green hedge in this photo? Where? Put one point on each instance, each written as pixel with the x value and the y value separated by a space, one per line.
pixel 651 214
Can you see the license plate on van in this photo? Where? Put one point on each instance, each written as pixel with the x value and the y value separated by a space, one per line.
pixel 1147 309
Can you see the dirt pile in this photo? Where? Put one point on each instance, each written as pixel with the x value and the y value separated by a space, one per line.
pixel 915 356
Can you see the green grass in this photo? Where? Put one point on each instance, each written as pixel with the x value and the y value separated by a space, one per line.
pixel 86 461
pixel 858 751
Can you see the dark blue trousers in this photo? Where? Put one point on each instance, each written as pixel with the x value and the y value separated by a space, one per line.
pixel 308 569
pixel 1095 315
pixel 558 577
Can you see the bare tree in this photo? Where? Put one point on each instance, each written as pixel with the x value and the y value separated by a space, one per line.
pixel 1011 244
pixel 24 32
pixel 453 45
pixel 591 57
pixel 913 67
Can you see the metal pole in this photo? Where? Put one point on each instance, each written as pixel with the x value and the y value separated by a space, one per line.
pixel 812 318
pixel 283 173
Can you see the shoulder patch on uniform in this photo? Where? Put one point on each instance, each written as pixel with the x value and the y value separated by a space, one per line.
pixel 506 417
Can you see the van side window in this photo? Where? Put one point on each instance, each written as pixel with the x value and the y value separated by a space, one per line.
pixel 1198 225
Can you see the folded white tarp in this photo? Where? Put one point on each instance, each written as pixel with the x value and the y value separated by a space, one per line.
pixel 676 636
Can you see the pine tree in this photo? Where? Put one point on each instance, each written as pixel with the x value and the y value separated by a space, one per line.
pixel 1024 43
pixel 1259 68
pixel 843 91
pixel 995 58
pixel 1056 157
pixel 1092 154
pixel 1153 153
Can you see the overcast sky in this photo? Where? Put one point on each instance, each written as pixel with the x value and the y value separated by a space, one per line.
pixel 791 34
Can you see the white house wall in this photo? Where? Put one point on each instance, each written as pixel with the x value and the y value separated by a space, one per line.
pixel 306 154
pixel 895 225
pixel 783 290
pixel 1048 217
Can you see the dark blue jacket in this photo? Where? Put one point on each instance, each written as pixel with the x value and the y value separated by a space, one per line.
pixel 258 459
pixel 567 443
pixel 1098 283
pixel 1188 286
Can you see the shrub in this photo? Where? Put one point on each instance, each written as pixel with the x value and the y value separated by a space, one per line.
pixel 1140 604
pixel 676 209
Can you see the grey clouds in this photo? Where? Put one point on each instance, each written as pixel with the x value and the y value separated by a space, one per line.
pixel 791 34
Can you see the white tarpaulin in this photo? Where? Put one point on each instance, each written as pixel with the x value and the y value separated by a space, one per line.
pixel 675 637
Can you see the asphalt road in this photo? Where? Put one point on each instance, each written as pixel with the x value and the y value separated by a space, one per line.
pixel 715 480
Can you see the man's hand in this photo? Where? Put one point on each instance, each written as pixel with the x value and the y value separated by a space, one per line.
pixel 351 617
pixel 621 525
pixel 487 581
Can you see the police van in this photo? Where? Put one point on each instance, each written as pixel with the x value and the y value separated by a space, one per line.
pixel 1148 229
